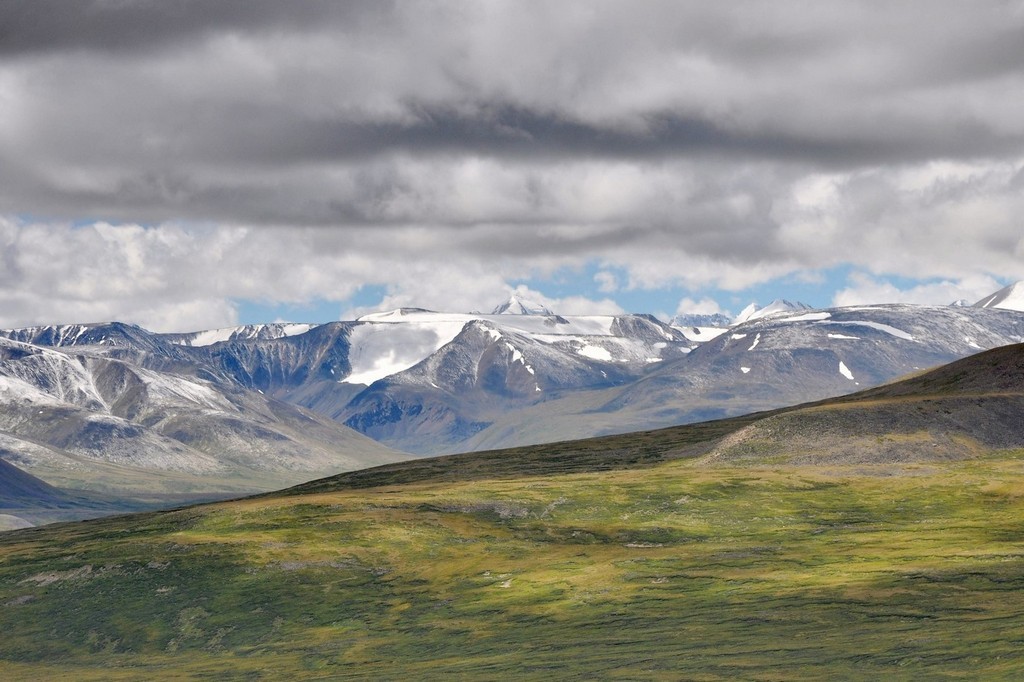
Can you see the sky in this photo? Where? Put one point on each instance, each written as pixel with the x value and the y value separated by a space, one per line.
pixel 186 164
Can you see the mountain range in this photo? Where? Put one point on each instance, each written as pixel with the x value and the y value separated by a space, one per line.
pixel 81 416
pixel 117 409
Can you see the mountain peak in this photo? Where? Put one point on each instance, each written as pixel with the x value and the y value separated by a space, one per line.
pixel 779 305
pixel 746 313
pixel 1007 298
pixel 519 305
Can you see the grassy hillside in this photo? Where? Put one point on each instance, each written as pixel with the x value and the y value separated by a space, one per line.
pixel 654 573
pixel 620 558
pixel 999 371
pixel 957 411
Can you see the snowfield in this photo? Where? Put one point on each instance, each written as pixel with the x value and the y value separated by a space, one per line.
pixel 892 331
pixel 380 347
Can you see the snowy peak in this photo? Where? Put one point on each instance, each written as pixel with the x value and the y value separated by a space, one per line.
pixel 518 305
pixel 273 330
pixel 779 305
pixel 1007 298
pixel 109 334
pixel 701 320
pixel 746 313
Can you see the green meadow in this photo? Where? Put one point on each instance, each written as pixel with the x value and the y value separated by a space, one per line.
pixel 657 572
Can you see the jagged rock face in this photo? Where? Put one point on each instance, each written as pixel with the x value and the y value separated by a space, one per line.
pixel 283 363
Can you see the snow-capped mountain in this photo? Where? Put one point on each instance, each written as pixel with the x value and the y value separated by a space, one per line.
pixel 815 354
pixel 110 337
pixel 384 371
pixel 777 307
pixel 384 344
pixel 87 418
pixel 1007 298
pixel 274 330
pixel 773 362
pixel 518 305
pixel 488 370
pixel 433 382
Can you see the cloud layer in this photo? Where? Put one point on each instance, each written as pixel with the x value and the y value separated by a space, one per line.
pixel 286 152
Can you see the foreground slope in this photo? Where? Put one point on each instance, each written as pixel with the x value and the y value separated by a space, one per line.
pixel 618 558
pixel 957 411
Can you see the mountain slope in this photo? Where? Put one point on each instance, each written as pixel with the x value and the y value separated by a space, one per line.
pixel 26 500
pixel 18 489
pixel 21 492
pixel 767 364
pixel 64 413
pixel 1007 298
pixel 485 372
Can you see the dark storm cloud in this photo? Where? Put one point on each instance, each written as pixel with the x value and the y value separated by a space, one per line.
pixel 52 26
pixel 836 84
pixel 516 132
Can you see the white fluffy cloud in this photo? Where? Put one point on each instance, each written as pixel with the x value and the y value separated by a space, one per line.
pixel 932 219
pixel 864 289
pixel 704 306
pixel 163 161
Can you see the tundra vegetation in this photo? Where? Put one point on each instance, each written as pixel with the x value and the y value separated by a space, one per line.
pixel 654 572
